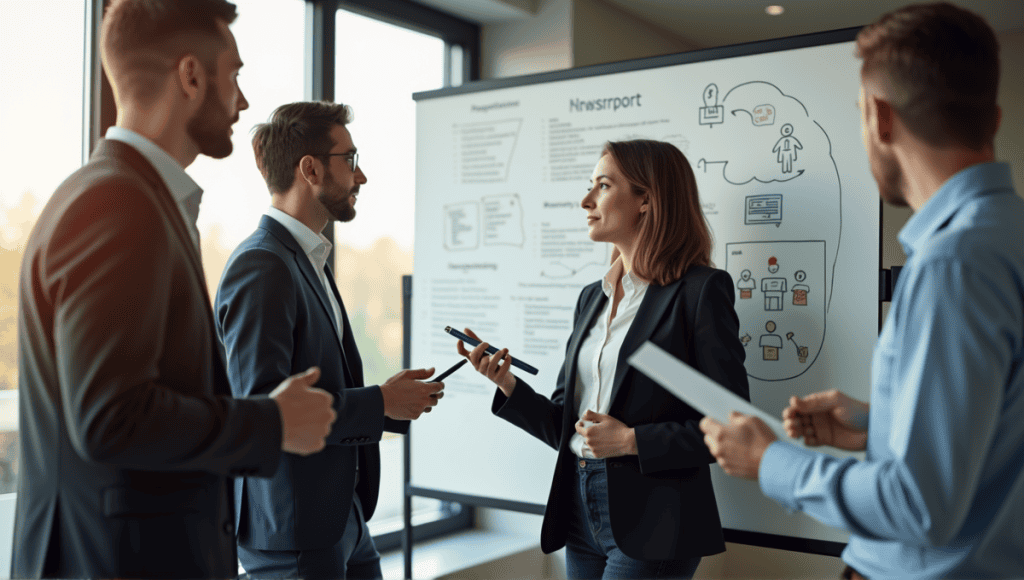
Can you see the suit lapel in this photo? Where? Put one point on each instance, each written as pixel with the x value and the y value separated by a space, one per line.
pixel 349 351
pixel 305 267
pixel 656 301
pixel 164 200
pixel 597 302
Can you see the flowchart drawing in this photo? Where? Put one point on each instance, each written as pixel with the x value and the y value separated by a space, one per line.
pixel 784 272
pixel 764 209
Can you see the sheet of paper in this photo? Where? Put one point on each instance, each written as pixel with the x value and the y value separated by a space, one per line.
pixel 695 389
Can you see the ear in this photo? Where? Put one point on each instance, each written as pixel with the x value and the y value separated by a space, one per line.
pixel 311 170
pixel 191 77
pixel 884 121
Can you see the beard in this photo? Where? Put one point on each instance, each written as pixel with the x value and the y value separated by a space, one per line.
pixel 889 177
pixel 210 126
pixel 337 200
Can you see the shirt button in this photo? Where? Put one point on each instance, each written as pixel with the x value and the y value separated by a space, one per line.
pixel 583 463
pixel 229 528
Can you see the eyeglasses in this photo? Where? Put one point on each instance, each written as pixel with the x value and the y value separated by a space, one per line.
pixel 353 158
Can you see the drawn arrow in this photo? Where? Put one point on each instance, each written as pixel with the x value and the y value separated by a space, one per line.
pixel 745 111
pixel 790 335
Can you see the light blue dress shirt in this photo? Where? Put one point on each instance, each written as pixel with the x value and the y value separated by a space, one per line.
pixel 941 492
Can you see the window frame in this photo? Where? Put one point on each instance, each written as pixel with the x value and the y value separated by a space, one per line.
pixel 457 34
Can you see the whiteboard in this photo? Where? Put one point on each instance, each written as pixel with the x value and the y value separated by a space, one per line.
pixel 772 131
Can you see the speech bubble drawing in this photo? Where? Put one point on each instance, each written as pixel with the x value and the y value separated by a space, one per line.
pixel 764 115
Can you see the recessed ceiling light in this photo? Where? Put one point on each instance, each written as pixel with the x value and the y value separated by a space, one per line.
pixel 774 10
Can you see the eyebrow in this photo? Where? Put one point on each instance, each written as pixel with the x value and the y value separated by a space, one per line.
pixel 592 179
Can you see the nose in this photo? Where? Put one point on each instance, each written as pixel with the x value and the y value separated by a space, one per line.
pixel 360 176
pixel 588 200
pixel 242 103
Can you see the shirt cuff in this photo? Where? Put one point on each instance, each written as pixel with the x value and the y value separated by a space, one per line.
pixel 781 467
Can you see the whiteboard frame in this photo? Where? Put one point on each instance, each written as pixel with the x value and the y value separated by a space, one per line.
pixel 761 539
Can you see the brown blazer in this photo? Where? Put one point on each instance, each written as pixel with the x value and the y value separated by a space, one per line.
pixel 129 435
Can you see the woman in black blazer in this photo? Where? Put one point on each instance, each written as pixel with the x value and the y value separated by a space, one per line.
pixel 631 495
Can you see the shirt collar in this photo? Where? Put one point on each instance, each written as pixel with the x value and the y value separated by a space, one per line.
pixel 631 283
pixel 967 184
pixel 182 186
pixel 314 244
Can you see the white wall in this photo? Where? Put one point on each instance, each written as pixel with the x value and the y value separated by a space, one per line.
pixel 540 43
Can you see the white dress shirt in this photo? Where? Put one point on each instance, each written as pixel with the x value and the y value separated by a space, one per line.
pixel 186 192
pixel 317 248
pixel 599 352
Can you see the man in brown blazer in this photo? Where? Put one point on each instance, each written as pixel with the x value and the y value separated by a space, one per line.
pixel 129 435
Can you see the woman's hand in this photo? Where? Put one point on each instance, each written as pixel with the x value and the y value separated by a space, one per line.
pixel 490 366
pixel 606 436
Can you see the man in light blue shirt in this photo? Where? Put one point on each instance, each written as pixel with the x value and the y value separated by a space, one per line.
pixel 941 492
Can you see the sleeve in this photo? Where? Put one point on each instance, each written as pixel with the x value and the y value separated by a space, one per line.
pixel 108 268
pixel 946 389
pixel 719 354
pixel 257 318
pixel 532 412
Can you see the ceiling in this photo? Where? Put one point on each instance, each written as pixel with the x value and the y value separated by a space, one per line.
pixel 708 23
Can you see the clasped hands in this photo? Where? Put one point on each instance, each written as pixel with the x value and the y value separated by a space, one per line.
pixel 824 418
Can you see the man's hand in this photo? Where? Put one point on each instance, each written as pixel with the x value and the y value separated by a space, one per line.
pixel 306 413
pixel 406 396
pixel 606 436
pixel 490 366
pixel 828 418
pixel 738 446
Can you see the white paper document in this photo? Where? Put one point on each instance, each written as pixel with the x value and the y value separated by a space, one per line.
pixel 695 389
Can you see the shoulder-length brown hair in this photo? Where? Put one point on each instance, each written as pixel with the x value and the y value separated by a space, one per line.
pixel 674 235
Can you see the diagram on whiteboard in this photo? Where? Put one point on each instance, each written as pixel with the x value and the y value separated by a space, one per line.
pixel 769 163
pixel 781 307
pixel 496 220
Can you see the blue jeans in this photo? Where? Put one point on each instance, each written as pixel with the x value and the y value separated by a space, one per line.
pixel 354 556
pixel 590 551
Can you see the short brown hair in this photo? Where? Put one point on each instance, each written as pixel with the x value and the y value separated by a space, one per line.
pixel 294 131
pixel 938 66
pixel 141 40
pixel 674 234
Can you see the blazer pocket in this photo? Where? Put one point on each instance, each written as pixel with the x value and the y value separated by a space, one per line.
pixel 122 502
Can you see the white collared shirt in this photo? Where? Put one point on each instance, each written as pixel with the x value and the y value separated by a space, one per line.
pixel 599 352
pixel 186 192
pixel 317 247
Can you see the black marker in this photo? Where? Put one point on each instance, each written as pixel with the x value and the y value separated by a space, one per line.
pixel 445 374
pixel 490 349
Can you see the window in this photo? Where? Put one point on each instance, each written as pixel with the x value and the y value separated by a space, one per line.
pixel 270 37
pixel 385 51
pixel 40 145
pixel 378 67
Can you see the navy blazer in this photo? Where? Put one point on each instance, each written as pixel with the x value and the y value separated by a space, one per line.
pixel 274 319
pixel 661 503
pixel 129 433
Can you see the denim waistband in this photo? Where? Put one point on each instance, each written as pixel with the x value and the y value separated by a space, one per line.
pixel 584 464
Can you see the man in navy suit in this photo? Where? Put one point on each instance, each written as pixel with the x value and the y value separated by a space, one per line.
pixel 278 309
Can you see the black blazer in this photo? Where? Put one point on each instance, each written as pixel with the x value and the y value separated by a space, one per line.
pixel 275 320
pixel 129 433
pixel 661 503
